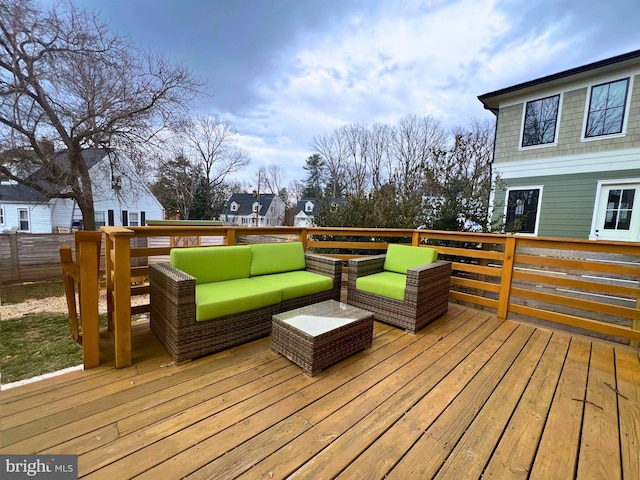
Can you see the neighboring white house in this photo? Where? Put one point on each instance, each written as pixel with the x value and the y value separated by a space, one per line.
pixel 306 211
pixel 246 209
pixel 121 198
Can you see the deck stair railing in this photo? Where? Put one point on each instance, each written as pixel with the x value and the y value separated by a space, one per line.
pixel 81 285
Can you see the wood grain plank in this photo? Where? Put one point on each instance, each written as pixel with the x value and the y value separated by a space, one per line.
pixel 382 455
pixel 434 445
pixel 628 384
pixel 558 451
pixel 335 457
pixel 599 455
pixel 471 454
pixel 515 452
pixel 331 417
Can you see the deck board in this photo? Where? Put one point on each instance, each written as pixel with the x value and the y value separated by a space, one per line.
pixel 469 396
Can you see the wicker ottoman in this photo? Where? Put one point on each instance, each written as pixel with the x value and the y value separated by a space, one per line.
pixel 321 334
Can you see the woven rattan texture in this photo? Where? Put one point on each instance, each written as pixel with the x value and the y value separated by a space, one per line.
pixel 173 313
pixel 314 353
pixel 426 294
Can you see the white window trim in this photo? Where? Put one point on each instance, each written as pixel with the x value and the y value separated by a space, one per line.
pixel 106 217
pixel 23 209
pixel 538 209
pixel 627 107
pixel 600 185
pixel 558 120
pixel 134 213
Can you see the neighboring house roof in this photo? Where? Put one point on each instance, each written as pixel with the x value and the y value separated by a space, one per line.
pixel 301 205
pixel 491 100
pixel 20 194
pixel 245 203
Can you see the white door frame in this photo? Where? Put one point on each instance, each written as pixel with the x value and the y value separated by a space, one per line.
pixel 634 232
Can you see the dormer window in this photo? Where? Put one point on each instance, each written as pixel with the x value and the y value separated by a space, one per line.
pixel 308 207
pixel 256 207
pixel 234 207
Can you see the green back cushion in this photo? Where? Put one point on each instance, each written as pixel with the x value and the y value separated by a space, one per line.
pixel 400 258
pixel 212 264
pixel 269 258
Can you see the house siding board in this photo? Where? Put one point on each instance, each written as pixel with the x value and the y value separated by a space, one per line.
pixel 567 201
pixel 570 141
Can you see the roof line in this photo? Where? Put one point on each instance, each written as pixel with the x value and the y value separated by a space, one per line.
pixel 566 73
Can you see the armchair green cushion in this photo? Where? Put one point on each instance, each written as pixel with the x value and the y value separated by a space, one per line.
pixel 267 258
pixel 400 258
pixel 212 264
pixel 386 284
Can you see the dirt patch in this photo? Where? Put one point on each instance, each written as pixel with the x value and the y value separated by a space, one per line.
pixel 55 305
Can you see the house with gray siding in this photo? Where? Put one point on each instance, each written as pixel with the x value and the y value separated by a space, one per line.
pixel 567 152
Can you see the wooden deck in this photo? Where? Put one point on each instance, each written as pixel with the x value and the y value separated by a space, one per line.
pixel 467 397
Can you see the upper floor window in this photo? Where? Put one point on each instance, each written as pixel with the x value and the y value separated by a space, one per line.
pixel 134 219
pixel 540 121
pixel 606 108
pixel 308 207
pixel 1 215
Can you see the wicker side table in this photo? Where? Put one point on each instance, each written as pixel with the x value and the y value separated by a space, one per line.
pixel 321 334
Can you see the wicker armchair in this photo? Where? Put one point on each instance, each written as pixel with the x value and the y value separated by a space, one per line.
pixel 173 311
pixel 426 293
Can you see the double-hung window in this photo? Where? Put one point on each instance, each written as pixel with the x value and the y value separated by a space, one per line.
pixel 23 219
pixel 100 219
pixel 607 105
pixel 1 215
pixel 540 121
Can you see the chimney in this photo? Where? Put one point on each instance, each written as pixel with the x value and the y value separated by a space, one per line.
pixel 46 146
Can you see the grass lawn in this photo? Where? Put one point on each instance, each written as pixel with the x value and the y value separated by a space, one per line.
pixel 36 344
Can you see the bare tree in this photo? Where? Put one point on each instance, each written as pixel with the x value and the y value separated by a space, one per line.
pixel 381 170
pixel 273 178
pixel 356 140
pixel 211 144
pixel 66 78
pixel 331 148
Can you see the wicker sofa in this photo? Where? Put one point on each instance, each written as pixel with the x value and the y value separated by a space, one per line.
pixel 407 287
pixel 207 299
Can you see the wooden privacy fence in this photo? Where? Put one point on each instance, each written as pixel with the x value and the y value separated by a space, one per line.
pixel 593 286
pixel 31 257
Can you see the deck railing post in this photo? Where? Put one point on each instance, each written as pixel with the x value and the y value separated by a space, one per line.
pixel 507 275
pixel 88 259
pixel 230 237
pixel 118 261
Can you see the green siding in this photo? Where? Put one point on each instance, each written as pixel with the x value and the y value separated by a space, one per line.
pixel 567 201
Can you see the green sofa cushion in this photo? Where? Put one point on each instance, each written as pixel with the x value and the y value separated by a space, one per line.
pixel 212 264
pixel 400 258
pixel 386 284
pixel 297 284
pixel 269 258
pixel 233 296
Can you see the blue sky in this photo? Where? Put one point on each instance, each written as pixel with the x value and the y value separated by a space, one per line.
pixel 284 71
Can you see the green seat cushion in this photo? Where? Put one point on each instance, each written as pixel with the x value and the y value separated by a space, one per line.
pixel 401 258
pixel 212 264
pixel 297 284
pixel 233 296
pixel 386 284
pixel 269 258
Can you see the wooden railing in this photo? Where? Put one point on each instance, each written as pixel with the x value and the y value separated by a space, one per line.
pixel 593 286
